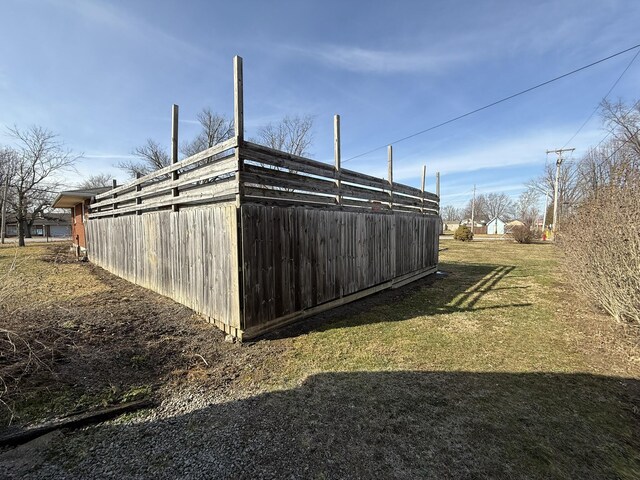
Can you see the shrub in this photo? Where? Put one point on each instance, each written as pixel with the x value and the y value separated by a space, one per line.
pixel 463 233
pixel 522 234
pixel 601 243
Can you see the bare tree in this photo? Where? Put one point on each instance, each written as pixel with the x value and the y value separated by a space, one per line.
pixel 498 205
pixel 479 207
pixel 619 157
pixel 39 156
pixel 151 157
pixel 526 207
pixel 96 181
pixel 450 213
pixel 7 164
pixel 39 205
pixel 216 128
pixel 623 122
pixel 292 135
pixel 569 188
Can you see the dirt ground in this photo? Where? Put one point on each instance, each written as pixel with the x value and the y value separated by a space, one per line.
pixel 110 341
pixel 83 338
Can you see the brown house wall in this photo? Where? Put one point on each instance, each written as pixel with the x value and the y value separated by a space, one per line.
pixel 78 220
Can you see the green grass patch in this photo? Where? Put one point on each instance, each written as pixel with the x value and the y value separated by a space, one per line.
pixel 486 350
pixel 494 312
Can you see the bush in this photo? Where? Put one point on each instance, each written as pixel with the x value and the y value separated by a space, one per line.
pixel 463 233
pixel 522 234
pixel 601 243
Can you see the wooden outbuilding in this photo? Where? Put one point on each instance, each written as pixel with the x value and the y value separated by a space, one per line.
pixel 254 238
pixel 495 226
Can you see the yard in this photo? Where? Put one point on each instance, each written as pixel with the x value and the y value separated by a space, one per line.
pixel 494 370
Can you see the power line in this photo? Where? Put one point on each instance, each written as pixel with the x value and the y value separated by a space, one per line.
pixel 459 117
pixel 603 98
pixel 596 109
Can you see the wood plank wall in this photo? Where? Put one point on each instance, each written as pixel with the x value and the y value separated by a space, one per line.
pixel 312 236
pixel 190 256
pixel 296 258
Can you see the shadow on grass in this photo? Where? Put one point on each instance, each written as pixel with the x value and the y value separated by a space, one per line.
pixel 459 290
pixel 404 424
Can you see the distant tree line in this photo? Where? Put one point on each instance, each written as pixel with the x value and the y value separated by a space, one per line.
pixel 497 205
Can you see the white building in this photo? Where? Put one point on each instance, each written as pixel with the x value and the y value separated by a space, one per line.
pixel 495 227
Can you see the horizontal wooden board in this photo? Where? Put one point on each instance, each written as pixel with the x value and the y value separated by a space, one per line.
pixel 223 166
pixel 198 157
pixel 208 193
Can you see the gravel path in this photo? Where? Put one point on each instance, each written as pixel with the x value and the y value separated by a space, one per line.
pixel 341 425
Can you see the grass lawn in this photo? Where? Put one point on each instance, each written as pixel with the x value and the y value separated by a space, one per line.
pixel 493 371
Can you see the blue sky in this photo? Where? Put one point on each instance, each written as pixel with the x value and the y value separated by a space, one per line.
pixel 103 74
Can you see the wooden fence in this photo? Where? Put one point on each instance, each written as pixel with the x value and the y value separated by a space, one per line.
pixel 298 261
pixel 260 237
pixel 253 238
pixel 254 173
pixel 187 255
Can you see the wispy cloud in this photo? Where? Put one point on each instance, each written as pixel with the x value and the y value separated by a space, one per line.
pixel 108 156
pixel 108 15
pixel 526 149
pixel 498 32
pixel 365 60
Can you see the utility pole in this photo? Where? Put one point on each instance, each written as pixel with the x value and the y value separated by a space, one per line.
pixel 558 152
pixel 546 206
pixel 473 208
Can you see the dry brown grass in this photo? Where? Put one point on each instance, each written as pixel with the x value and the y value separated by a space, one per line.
pixel 74 337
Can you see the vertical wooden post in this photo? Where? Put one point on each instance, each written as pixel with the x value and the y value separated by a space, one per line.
pixel 138 189
pixel 390 174
pixel 238 101
pixel 114 184
pixel 238 122
pixel 438 190
pixel 336 154
pixel 174 133
pixel 424 175
pixel 174 151
pixel 238 126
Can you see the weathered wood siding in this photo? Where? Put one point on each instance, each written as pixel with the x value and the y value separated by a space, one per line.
pixel 297 258
pixel 190 256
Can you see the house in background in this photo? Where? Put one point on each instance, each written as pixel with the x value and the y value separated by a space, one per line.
pixel 508 228
pixel 495 227
pixel 479 228
pixel 78 201
pixel 450 226
pixel 55 225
